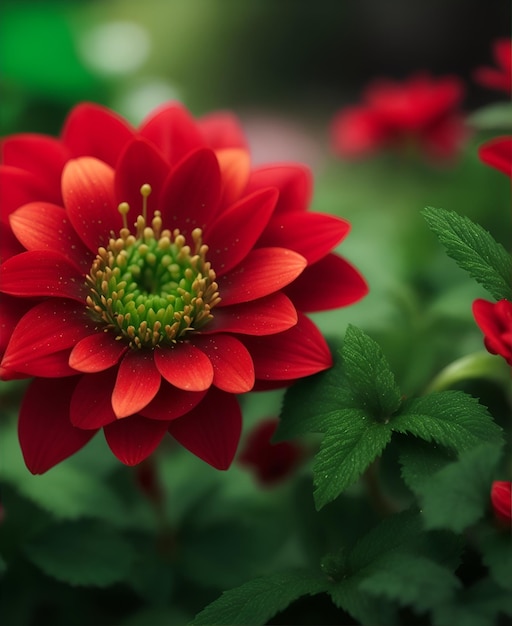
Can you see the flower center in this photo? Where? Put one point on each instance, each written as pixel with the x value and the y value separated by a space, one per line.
pixel 151 288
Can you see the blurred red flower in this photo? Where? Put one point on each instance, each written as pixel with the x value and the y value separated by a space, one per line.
pixel 270 462
pixel 422 111
pixel 495 321
pixel 150 275
pixel 497 153
pixel 499 77
pixel 501 499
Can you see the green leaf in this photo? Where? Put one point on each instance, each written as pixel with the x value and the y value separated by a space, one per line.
pixel 458 495
pixel 348 448
pixel 478 605
pixel 474 250
pixel 496 548
pixel 371 382
pixel 411 580
pixel 420 460
pixel 363 607
pixel 492 117
pixel 256 601
pixel 82 553
pixel 451 418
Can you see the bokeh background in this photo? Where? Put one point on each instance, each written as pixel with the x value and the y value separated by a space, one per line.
pixel 285 67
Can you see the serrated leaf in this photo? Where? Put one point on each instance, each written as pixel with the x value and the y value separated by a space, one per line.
pixel 474 250
pixel 256 601
pixel 366 609
pixel 371 381
pixel 458 495
pixel 452 418
pixel 411 580
pixel 82 554
pixel 347 449
pixel 478 605
pixel 496 548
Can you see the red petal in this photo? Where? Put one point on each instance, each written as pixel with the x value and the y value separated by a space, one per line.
pixel 262 272
pixel 330 283
pixel 39 273
pixel 212 430
pixel 171 402
pixel 298 352
pixel 93 130
pixel 173 131
pixel 235 167
pixel 20 187
pixel 295 184
pixel 140 164
pixel 138 381
pixel 91 404
pixel 185 366
pixel 49 327
pixel 231 237
pixel 134 438
pixel 191 194
pixel 9 245
pixel 55 365
pixel 11 311
pixel 40 155
pixel 96 353
pixel 498 154
pixel 47 437
pixel 313 235
pixel 222 130
pixel 45 226
pixel 233 370
pixel 357 132
pixel 266 316
pixel 88 191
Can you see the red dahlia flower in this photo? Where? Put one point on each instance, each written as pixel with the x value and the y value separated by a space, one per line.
pixel 497 153
pixel 500 77
pixel 501 499
pixel 422 110
pixel 495 321
pixel 271 462
pixel 150 275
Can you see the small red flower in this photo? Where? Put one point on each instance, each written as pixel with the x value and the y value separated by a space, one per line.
pixel 270 462
pixel 152 274
pixel 422 110
pixel 497 153
pixel 495 321
pixel 501 499
pixel 499 77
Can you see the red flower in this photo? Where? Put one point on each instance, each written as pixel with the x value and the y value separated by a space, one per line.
pixel 271 462
pixel 422 111
pixel 501 499
pixel 495 321
pixel 499 77
pixel 498 154
pixel 150 276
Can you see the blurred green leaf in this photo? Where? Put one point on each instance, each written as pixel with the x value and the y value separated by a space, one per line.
pixel 82 553
pixel 496 117
pixel 412 580
pixel 477 605
pixel 255 602
pixel 420 460
pixel 496 547
pixel 157 617
pixel 451 418
pixel 474 250
pixel 458 495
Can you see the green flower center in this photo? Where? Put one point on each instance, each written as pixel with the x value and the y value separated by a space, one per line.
pixel 151 288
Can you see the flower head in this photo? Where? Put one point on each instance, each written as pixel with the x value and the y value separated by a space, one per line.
pixel 270 462
pixel 497 153
pixel 495 321
pixel 422 111
pixel 149 275
pixel 501 499
pixel 499 77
